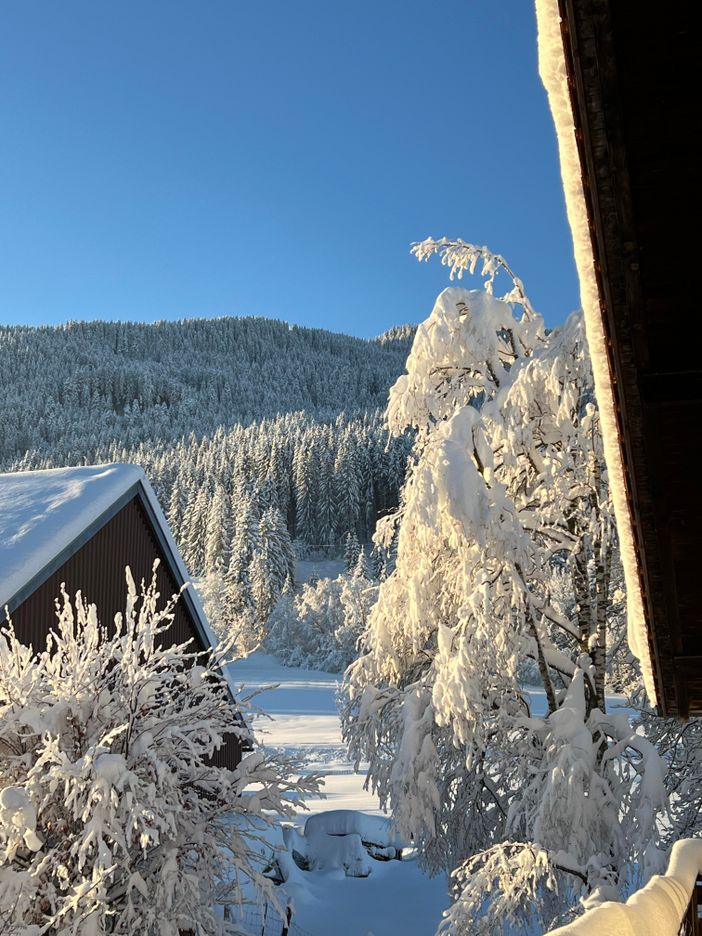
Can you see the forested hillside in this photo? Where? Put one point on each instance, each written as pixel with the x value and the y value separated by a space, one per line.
pixel 253 433
pixel 72 389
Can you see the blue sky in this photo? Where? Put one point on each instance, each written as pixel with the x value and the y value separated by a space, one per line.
pixel 168 159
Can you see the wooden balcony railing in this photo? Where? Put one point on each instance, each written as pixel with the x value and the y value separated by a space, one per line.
pixel 691 924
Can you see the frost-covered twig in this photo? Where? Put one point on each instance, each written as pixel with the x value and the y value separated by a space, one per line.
pixel 461 257
pixel 113 817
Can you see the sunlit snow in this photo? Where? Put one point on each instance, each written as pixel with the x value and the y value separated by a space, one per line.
pixel 397 897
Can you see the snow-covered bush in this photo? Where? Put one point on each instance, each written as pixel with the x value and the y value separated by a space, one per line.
pixel 113 818
pixel 320 628
pixel 508 487
pixel 680 745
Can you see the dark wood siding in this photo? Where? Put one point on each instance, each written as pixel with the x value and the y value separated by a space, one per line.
pixel 632 77
pixel 98 570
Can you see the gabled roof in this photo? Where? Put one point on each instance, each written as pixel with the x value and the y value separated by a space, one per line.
pixel 46 516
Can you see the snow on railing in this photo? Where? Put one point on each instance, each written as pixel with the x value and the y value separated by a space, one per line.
pixel 666 906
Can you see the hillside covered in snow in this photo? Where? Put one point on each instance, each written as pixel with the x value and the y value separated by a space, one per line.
pixel 83 385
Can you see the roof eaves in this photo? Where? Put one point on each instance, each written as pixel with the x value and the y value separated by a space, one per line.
pixel 31 585
pixel 177 566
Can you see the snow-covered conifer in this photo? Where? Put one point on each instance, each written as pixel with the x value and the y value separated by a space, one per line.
pixel 217 532
pixel 362 567
pixel 304 495
pixel 347 496
pixel 352 549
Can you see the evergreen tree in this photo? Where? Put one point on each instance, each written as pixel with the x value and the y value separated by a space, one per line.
pixel 273 565
pixel 305 527
pixel 325 518
pixel 217 532
pixel 347 494
pixel 352 550
pixel 362 568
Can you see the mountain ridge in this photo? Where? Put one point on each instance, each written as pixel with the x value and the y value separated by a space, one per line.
pixel 80 386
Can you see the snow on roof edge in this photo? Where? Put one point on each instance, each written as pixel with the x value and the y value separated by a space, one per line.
pixel 185 577
pixel 91 491
pixel 43 513
pixel 552 69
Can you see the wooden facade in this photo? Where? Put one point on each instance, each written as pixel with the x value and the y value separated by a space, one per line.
pixel 630 71
pixel 95 565
pixel 97 569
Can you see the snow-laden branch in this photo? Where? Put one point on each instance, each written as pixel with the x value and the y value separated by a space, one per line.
pixel 113 817
pixel 461 257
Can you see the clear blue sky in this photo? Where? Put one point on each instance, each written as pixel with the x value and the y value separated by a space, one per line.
pixel 167 159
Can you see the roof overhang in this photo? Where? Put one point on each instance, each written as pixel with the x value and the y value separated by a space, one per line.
pixel 618 82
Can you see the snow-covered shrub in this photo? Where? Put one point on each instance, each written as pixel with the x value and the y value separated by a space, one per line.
pixel 320 627
pixel 113 818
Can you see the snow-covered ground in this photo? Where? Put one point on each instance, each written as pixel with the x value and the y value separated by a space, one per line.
pixel 397 898
pixel 306 569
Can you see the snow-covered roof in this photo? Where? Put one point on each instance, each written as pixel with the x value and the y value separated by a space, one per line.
pixel 552 68
pixel 45 516
pixel 43 512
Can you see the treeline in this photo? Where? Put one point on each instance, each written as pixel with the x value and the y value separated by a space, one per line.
pixel 77 388
pixel 323 479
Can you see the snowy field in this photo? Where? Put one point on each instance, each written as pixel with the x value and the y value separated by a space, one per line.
pixel 306 569
pixel 397 898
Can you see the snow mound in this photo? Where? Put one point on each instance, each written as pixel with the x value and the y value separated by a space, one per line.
pixel 375 830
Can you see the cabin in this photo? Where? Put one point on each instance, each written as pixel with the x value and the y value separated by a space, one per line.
pixel 620 83
pixel 82 527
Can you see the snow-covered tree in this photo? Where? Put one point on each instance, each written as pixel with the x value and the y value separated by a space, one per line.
pixel 362 568
pixel 276 561
pixel 529 805
pixel 320 627
pixel 679 743
pixel 352 549
pixel 347 488
pixel 240 621
pixel 358 596
pixel 324 502
pixel 113 818
pixel 217 532
pixel 303 474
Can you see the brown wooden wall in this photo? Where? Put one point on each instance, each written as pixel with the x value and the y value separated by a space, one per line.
pixel 97 569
